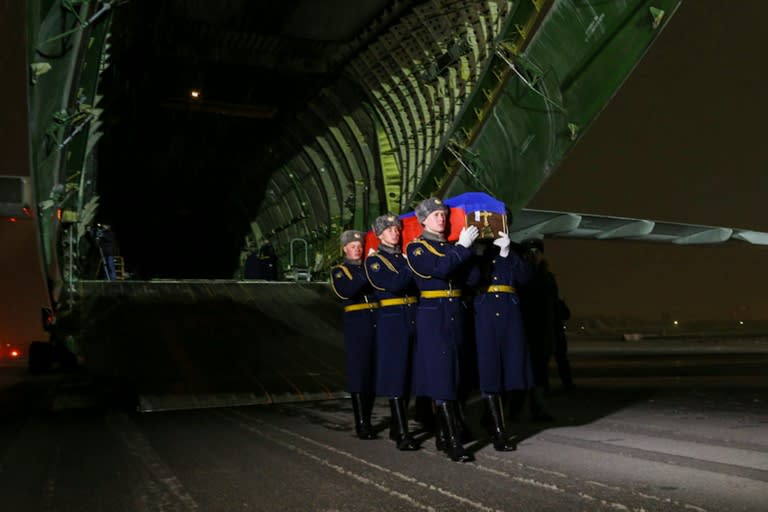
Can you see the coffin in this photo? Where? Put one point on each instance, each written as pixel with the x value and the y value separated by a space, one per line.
pixel 471 208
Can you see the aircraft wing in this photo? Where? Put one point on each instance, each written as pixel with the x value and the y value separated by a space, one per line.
pixel 548 223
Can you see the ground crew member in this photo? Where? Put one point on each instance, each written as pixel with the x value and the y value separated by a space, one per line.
pixel 539 305
pixel 390 276
pixel 441 270
pixel 351 285
pixel 502 353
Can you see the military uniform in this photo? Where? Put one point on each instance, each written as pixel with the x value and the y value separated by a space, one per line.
pixel 351 285
pixel 390 276
pixel 441 271
pixel 502 353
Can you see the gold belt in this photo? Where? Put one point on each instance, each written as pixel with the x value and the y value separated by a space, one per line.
pixel 440 294
pixel 359 307
pixel 398 301
pixel 501 288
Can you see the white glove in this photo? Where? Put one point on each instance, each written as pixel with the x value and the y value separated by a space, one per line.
pixel 503 244
pixel 371 251
pixel 467 236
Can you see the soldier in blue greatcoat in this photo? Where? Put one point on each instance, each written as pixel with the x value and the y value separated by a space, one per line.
pixel 390 276
pixel 441 270
pixel 351 285
pixel 503 359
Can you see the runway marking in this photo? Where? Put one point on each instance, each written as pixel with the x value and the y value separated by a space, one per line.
pixel 170 486
pixel 50 487
pixel 397 474
pixel 595 483
pixel 526 481
pixel 630 427
pixel 339 469
pixel 752 473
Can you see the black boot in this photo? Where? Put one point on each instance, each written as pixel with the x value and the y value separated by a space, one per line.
pixel 368 401
pixel 440 429
pixel 393 422
pixel 424 413
pixel 496 427
pixel 363 426
pixel 402 438
pixel 464 433
pixel 448 415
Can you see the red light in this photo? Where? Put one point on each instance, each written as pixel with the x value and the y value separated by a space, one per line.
pixel 11 219
pixel 14 353
pixel 27 211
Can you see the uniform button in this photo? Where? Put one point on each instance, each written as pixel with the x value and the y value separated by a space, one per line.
pixel 497 295
pixel 451 319
pixel 450 299
pixel 498 314
pixel 495 278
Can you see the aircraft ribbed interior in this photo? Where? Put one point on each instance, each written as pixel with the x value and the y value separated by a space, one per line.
pixel 345 111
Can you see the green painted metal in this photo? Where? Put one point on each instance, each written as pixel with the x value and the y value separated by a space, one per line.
pixel 390 171
pixel 555 70
pixel 556 65
pixel 68 39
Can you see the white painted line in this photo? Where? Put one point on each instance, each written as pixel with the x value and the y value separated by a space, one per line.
pixel 160 479
pixel 325 462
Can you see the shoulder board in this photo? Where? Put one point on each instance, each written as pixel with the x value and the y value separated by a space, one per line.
pixel 386 262
pixel 344 269
pixel 429 247
pixel 374 265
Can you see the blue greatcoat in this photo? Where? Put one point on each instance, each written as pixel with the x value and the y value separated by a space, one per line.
pixel 439 266
pixel 351 285
pixel 504 363
pixel 390 276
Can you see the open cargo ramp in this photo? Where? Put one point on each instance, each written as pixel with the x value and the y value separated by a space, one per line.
pixel 188 344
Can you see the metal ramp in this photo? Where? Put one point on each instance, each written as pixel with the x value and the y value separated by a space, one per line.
pixel 184 344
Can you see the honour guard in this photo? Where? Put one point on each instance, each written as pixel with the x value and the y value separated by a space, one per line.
pixel 441 270
pixel 502 354
pixel 390 276
pixel 360 307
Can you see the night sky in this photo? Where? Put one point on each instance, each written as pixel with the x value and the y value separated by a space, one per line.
pixel 683 140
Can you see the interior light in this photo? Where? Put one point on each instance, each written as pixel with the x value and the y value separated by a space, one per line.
pixel 194 94
pixel 675 322
pixel 14 353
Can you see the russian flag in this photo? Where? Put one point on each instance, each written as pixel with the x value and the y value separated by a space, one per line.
pixel 459 206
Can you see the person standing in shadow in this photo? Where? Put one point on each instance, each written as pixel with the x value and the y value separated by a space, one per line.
pixel 562 315
pixel 539 298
